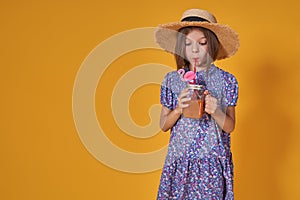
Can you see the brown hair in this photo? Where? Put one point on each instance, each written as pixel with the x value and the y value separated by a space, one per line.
pixel 212 42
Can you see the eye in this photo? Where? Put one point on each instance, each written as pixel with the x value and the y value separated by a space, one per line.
pixel 188 42
pixel 203 43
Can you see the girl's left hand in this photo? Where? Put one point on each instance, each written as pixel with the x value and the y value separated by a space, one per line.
pixel 211 103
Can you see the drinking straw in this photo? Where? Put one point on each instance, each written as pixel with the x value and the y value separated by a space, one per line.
pixel 194 80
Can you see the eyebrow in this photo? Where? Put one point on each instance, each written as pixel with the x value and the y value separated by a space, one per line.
pixel 199 38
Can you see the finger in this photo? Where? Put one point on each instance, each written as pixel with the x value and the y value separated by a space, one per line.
pixel 211 99
pixel 182 100
pixel 184 105
pixel 183 94
pixel 184 91
pixel 208 107
pixel 208 110
pixel 215 100
pixel 207 99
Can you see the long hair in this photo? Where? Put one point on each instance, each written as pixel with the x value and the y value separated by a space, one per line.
pixel 180 54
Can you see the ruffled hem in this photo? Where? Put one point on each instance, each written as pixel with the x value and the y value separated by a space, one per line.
pixel 203 178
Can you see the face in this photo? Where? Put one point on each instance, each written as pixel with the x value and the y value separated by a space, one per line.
pixel 196 48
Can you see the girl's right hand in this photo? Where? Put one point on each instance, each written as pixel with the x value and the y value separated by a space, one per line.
pixel 182 99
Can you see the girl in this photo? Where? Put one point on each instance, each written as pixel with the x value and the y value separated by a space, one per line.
pixel 198 164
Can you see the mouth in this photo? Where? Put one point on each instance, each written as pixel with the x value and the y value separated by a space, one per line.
pixel 195 60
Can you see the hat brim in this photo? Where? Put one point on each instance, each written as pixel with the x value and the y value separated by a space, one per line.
pixel 166 36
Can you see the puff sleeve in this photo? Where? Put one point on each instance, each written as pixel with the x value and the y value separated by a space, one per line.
pixel 231 90
pixel 166 94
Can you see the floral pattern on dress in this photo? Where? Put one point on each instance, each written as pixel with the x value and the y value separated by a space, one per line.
pixel 199 163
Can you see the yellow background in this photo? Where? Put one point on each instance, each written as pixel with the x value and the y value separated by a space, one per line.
pixel 43 44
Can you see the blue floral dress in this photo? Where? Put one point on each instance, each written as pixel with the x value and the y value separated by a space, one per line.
pixel 199 163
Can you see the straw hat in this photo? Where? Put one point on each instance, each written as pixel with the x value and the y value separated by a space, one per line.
pixel 166 34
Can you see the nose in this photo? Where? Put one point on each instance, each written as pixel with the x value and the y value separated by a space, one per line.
pixel 195 47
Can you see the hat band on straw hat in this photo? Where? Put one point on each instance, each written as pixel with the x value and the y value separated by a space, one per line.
pixel 194 19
